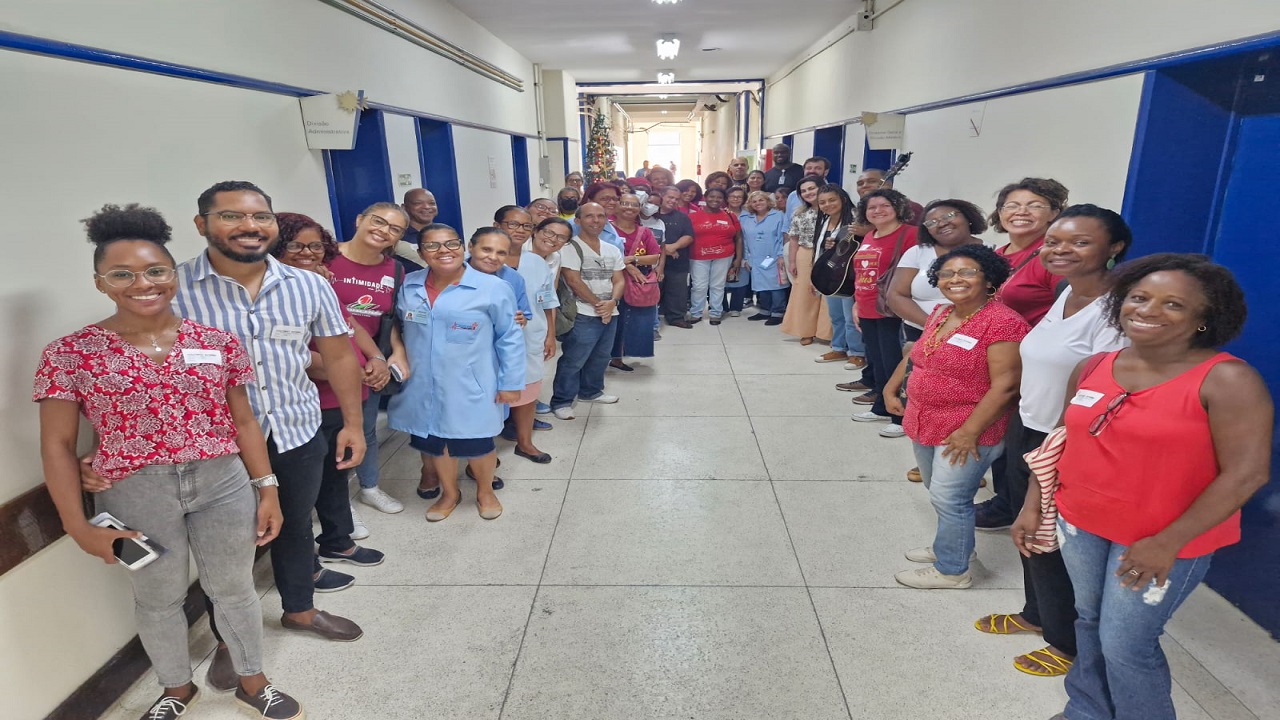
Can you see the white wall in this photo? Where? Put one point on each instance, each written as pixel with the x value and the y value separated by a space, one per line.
pixel 560 104
pixel 719 137
pixel 928 50
pixel 801 147
pixel 478 152
pixel 402 152
pixel 855 140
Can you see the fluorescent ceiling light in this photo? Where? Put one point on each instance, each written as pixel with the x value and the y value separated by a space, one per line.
pixel 666 77
pixel 668 47
pixel 666 2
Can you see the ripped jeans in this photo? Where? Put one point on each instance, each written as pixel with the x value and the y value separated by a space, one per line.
pixel 1120 672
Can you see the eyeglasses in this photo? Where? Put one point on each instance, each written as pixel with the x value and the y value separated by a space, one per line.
pixel 1100 422
pixel 550 234
pixel 1031 206
pixel 513 225
pixel 546 207
pixel 230 217
pixel 447 245
pixel 379 222
pixel 297 247
pixel 938 221
pixel 157 275
pixel 962 272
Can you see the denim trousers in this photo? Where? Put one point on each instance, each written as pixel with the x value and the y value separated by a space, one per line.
pixel 367 470
pixel 845 336
pixel 675 295
pixel 585 352
pixel 773 302
pixel 951 491
pixel 884 352
pixel 333 502
pixel 1120 671
pixel 708 278
pixel 208 510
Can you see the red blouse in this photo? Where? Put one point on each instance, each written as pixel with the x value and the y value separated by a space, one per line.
pixel 148 413
pixel 713 234
pixel 1147 465
pixel 947 384
pixel 1031 289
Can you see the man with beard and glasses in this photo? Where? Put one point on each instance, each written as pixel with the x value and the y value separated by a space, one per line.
pixel 420 207
pixel 567 200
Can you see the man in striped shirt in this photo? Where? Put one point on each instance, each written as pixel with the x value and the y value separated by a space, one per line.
pixel 276 311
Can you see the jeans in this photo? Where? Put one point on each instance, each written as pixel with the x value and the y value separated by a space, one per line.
pixel 951 491
pixel 333 502
pixel 675 295
pixel 884 352
pixel 204 508
pixel 367 470
pixel 1120 671
pixel 845 337
pixel 735 298
pixel 773 302
pixel 708 278
pixel 584 354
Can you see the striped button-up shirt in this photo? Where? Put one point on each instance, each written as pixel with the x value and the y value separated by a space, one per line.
pixel 275 327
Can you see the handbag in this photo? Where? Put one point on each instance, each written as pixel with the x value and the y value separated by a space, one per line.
pixel 568 312
pixel 386 322
pixel 643 293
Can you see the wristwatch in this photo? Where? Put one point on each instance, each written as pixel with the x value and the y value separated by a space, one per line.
pixel 267 481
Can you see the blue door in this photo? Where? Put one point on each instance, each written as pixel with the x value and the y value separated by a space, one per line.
pixel 359 177
pixel 440 170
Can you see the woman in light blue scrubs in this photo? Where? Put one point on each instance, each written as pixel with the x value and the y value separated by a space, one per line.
pixel 764 240
pixel 467 352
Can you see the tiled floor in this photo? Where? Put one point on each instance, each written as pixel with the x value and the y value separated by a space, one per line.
pixel 720 544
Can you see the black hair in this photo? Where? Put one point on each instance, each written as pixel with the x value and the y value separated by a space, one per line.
pixel 724 194
pixel 555 221
pixel 846 204
pixel 787 189
pixel 1048 188
pixel 436 227
pixel 1225 309
pixel 718 175
pixel 482 231
pixel 753 172
pixel 502 212
pixel 995 269
pixel 819 158
pixel 205 201
pixel 132 222
pixel 813 179
pixel 972 213
pixel 1117 229
pixel 901 205
pixel 686 185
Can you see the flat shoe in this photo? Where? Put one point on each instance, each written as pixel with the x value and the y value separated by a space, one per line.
pixel 438 515
pixel 914 475
pixel 491 513
pixel 773 321
pixel 806 341
pixel 1004 624
pixel 329 627
pixel 497 481
pixel 431 494
pixel 540 458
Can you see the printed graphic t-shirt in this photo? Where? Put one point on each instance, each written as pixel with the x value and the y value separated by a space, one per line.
pixel 713 234
pixel 365 291
pixel 873 259
pixel 597 271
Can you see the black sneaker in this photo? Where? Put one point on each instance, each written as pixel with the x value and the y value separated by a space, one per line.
pixel 986 520
pixel 775 320
pixel 362 556
pixel 331 581
pixel 759 316
pixel 270 704
pixel 168 708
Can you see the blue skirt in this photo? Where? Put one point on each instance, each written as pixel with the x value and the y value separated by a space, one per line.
pixel 634 337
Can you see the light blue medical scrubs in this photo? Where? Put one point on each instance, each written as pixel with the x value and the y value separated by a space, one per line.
pixel 464 349
pixel 762 244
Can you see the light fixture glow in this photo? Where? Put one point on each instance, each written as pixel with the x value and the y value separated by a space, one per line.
pixel 668 47
pixel 666 77
pixel 666 2
pixel 663 97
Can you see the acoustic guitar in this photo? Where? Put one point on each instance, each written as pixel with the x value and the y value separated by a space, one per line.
pixel 832 269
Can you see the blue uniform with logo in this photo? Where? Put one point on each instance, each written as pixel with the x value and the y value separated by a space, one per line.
pixel 464 349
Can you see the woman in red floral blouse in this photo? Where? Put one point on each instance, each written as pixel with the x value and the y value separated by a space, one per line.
pixel 179 443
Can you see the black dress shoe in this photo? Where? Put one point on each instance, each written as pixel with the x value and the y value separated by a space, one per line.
pixel 772 321
pixel 540 458
pixel 329 627
pixel 680 324
pixel 695 321
pixel 759 316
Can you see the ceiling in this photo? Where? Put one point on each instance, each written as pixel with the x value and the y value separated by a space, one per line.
pixel 613 40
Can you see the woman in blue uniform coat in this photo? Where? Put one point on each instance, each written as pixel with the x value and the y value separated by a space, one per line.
pixel 763 239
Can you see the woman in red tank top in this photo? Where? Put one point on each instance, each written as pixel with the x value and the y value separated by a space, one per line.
pixel 1166 440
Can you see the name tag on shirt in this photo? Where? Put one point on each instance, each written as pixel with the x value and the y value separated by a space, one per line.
pixel 422 317
pixel 541 298
pixel 287 332
pixel 963 341
pixel 767 262
pixel 194 356
pixel 722 222
pixel 388 281
pixel 1087 398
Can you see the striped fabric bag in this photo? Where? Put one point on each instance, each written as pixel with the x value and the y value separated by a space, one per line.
pixel 1043 462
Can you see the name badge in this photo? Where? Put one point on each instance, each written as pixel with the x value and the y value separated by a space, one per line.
pixel 1087 398
pixel 388 281
pixel 963 341
pixel 722 222
pixel 767 262
pixel 420 317
pixel 287 332
pixel 194 356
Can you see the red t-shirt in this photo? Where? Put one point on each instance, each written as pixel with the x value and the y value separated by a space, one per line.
pixel 1031 289
pixel 148 413
pixel 328 398
pixel 366 291
pixel 639 242
pixel 947 383
pixel 1150 462
pixel 713 234
pixel 874 258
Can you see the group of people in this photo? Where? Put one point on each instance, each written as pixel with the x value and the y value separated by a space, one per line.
pixel 233 393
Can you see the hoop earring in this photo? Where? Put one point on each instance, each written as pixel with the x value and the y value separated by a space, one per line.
pixel 991 291
pixel 1202 328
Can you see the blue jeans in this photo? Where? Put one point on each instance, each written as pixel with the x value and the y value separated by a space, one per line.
pixel 1120 671
pixel 584 354
pixel 708 278
pixel 845 337
pixel 773 302
pixel 367 470
pixel 951 490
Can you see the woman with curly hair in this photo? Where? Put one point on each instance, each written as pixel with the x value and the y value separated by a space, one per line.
pixel 690 195
pixel 965 373
pixel 1165 441
pixel 947 225
pixel 1024 210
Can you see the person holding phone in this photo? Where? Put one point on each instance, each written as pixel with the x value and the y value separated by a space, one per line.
pixel 179 445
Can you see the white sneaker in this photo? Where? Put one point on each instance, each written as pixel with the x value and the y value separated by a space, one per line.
pixel 564 413
pixel 928 578
pixel 868 416
pixel 925 555
pixel 892 430
pixel 602 399
pixel 735 313
pixel 361 530
pixel 378 499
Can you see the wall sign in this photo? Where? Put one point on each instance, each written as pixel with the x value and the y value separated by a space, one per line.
pixel 330 121
pixel 884 130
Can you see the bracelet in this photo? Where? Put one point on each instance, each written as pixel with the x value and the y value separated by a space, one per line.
pixel 265 481
pixel 378 357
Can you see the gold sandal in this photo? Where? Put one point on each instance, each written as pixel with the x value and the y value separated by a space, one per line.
pixel 999 624
pixel 1051 664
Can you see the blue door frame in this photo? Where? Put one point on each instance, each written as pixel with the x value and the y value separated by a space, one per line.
pixel 520 164
pixel 439 166
pixel 359 177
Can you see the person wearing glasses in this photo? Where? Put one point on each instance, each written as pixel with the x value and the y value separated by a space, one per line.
pixel 179 446
pixel 965 372
pixel 641 256
pixel 1165 441
pixel 460 330
pixel 574 180
pixel 541 209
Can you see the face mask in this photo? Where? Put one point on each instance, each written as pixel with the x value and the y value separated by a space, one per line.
pixel 648 209
pixel 643 196
pixel 567 205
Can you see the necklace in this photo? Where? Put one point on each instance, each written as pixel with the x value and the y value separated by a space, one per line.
pixel 155 338
pixel 936 339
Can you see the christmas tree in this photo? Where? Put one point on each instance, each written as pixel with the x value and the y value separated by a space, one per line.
pixel 601 158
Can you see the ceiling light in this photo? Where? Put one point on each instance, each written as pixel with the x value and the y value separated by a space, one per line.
pixel 666 77
pixel 668 47
pixel 663 97
pixel 664 112
pixel 666 2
